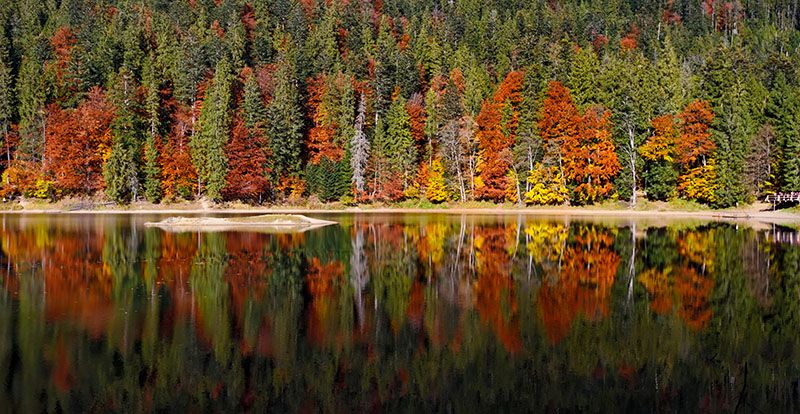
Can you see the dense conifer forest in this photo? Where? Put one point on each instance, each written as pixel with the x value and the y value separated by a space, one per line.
pixel 524 101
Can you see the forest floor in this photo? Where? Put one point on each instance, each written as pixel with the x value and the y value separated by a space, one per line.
pixel 760 212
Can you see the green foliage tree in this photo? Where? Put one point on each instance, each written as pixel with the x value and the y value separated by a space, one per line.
pixel 208 147
pixel 121 172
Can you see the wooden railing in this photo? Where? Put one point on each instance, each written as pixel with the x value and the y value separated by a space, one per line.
pixel 783 198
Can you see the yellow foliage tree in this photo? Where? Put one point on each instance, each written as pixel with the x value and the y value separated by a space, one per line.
pixel 436 190
pixel 512 183
pixel 547 186
pixel 699 183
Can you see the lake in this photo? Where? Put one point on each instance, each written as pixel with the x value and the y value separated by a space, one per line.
pixel 399 312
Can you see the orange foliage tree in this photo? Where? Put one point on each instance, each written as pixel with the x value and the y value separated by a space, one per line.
pixel 659 153
pixel 178 172
pixel 497 128
pixel 77 144
pixel 695 151
pixel 583 285
pixel 591 161
pixel 494 289
pixel 321 136
pixel 246 178
pixel 559 124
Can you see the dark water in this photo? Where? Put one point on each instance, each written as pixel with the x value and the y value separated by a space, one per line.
pixel 403 313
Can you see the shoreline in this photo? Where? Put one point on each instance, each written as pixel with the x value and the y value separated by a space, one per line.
pixel 751 214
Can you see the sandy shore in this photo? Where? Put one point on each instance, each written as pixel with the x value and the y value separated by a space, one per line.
pixel 748 214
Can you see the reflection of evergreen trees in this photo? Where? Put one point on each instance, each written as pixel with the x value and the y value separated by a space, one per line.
pixel 429 313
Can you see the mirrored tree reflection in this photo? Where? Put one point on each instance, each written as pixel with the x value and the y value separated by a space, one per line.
pixel 437 313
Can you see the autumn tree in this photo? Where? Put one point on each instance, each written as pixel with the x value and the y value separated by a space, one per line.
pixel 590 162
pixel 435 188
pixel 695 153
pixel 659 152
pixel 78 141
pixel 497 129
pixel 559 127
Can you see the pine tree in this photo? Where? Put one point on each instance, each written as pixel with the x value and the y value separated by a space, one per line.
pixel 31 95
pixel 6 99
pixel 284 121
pixel 723 86
pixel 399 146
pixel 783 111
pixel 584 78
pixel 152 105
pixel 208 147
pixel 121 171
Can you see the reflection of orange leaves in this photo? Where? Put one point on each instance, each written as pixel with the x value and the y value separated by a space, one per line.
pixel 431 244
pixel 322 281
pixel 246 273
pixel 657 283
pixel 416 304
pixel 61 373
pixel 583 284
pixel 694 290
pixel 76 284
pixel 494 289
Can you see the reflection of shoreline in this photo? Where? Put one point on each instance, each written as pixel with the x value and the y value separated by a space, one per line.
pixel 751 212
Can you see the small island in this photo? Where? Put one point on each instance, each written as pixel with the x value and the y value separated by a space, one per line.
pixel 266 223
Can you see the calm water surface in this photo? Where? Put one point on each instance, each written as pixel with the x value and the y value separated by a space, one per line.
pixel 398 313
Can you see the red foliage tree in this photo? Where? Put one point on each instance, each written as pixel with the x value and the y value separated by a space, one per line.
pixel 591 161
pixel 77 144
pixel 497 129
pixel 695 143
pixel 416 113
pixel 494 289
pixel 62 42
pixel 559 124
pixel 321 136
pixel 583 285
pixel 179 177
pixel 247 160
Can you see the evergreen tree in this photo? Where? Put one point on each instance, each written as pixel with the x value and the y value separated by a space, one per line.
pixel 783 111
pixel 399 144
pixel 6 97
pixel 122 170
pixel 284 120
pixel 584 78
pixel 152 107
pixel 724 87
pixel 32 98
pixel 208 147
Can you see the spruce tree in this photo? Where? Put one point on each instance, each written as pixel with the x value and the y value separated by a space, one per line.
pixel 208 147
pixel 6 97
pixel 121 171
pixel 31 95
pixel 783 112
pixel 399 144
pixel 284 123
pixel 152 103
pixel 724 86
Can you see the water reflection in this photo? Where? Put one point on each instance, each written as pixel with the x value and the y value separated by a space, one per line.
pixel 441 313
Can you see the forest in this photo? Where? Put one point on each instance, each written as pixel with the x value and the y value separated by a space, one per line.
pixel 542 102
